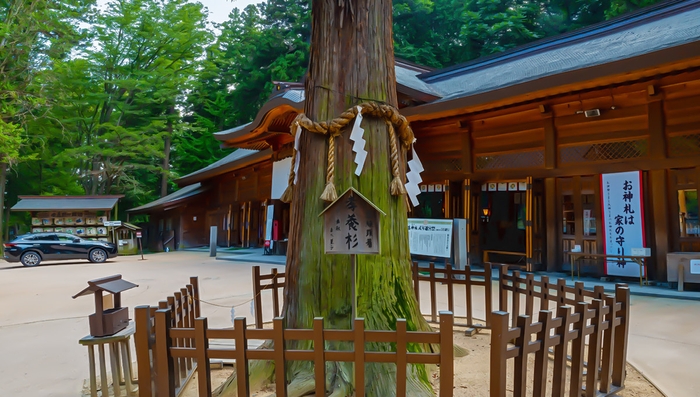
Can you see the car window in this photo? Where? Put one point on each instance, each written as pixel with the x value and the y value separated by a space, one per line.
pixel 66 238
pixel 43 237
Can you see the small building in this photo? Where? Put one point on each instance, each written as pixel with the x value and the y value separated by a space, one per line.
pixel 80 215
pixel 231 194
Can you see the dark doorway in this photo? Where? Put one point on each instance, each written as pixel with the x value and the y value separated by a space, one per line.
pixel 503 229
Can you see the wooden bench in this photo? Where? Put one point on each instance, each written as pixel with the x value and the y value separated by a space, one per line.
pixel 640 260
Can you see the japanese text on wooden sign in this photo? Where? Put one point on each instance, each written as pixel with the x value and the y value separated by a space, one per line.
pixel 351 225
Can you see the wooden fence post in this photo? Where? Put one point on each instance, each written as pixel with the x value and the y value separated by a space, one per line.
pixel 561 350
pixel 468 296
pixel 402 354
pixel 446 354
pixel 577 349
pixel 502 292
pixel 165 368
pixel 194 281
pixel 359 347
pixel 450 289
pixel 142 340
pixel 433 298
pixel 488 290
pixel 319 356
pixel 529 295
pixel 499 346
pixel 257 298
pixel 594 346
pixel 275 296
pixel 515 298
pixel 416 282
pixel 280 363
pixel 542 355
pixel 239 328
pixel 608 340
pixel 622 295
pixel 202 354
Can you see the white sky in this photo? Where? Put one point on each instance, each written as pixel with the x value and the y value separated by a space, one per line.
pixel 219 9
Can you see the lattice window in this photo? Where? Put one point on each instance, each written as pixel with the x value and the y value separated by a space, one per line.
pixel 684 145
pixel 604 151
pixel 446 165
pixel 524 159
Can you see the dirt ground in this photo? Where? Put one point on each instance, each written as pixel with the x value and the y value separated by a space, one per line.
pixel 471 373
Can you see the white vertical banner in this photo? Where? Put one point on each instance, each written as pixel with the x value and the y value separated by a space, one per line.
pixel 623 219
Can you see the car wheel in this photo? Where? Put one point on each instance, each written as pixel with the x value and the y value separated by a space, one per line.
pixel 98 255
pixel 30 259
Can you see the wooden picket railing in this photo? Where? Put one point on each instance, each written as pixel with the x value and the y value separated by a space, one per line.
pixel 598 326
pixel 450 277
pixel 587 336
pixel 173 345
pixel 183 308
pixel 275 281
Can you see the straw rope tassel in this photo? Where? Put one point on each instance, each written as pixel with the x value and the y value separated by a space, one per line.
pixel 396 186
pixel 289 191
pixel 329 193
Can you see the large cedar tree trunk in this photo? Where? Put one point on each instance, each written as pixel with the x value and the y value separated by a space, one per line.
pixel 352 61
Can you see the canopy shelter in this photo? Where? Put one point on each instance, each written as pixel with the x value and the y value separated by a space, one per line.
pixel 58 203
pixel 80 215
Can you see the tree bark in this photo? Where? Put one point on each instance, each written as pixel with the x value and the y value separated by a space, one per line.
pixel 3 178
pixel 351 61
pixel 166 154
pixel 166 166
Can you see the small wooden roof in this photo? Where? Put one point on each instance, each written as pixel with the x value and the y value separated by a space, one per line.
pixel 112 284
pixel 357 193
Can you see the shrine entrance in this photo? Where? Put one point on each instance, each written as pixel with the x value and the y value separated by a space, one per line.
pixel 506 222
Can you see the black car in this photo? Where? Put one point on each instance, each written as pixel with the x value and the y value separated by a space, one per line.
pixel 31 249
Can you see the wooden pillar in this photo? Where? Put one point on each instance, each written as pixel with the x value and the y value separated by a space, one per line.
pixel 466 148
pixel 552 240
pixel 657 136
pixel 550 143
pixel 446 194
pixel 658 230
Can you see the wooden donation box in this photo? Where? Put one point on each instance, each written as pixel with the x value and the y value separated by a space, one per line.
pixel 105 322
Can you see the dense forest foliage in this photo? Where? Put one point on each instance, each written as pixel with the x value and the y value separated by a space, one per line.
pixel 122 99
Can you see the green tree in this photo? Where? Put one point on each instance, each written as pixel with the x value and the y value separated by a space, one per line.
pixel 33 34
pixel 115 103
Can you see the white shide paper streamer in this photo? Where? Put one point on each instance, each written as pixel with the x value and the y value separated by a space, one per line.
pixel 358 143
pixel 413 177
pixel 297 160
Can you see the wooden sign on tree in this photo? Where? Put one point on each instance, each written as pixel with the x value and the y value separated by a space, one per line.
pixel 351 225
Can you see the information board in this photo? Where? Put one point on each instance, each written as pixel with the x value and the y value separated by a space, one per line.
pixel 430 237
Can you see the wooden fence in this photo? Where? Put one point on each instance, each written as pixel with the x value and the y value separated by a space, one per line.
pixel 448 276
pixel 451 277
pixel 273 282
pixel 183 308
pixel 597 329
pixel 174 344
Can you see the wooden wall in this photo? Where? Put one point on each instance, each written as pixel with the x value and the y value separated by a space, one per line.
pixel 651 125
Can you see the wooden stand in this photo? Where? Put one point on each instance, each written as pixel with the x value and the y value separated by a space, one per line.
pixel 120 362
